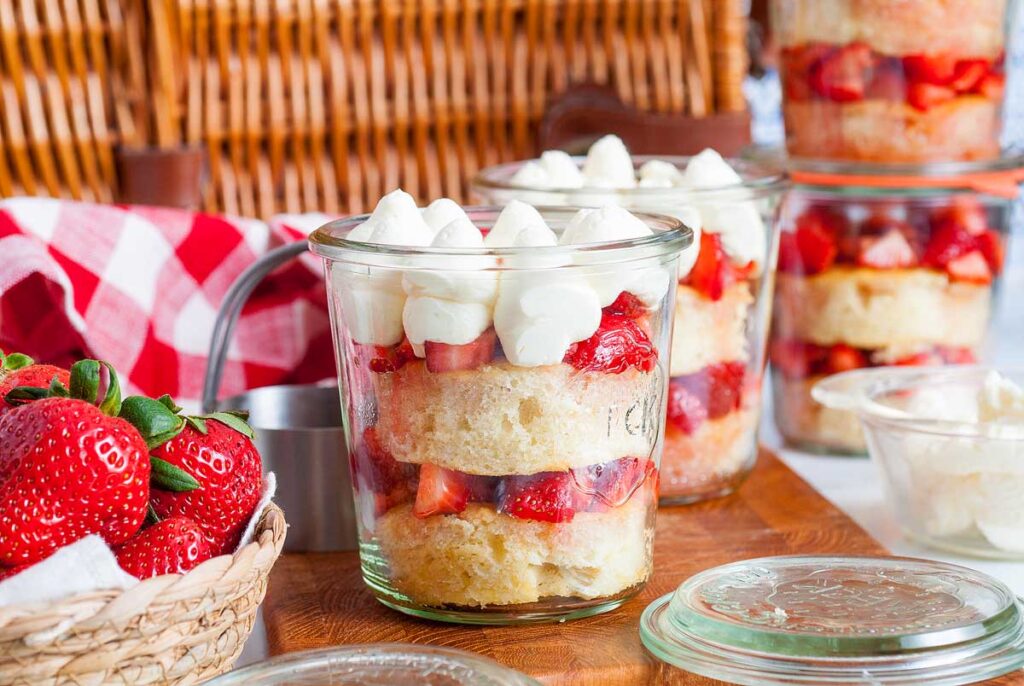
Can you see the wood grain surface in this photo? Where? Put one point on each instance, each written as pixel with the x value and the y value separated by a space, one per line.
pixel 319 600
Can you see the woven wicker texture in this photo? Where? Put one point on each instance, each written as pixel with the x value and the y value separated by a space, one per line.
pixel 173 629
pixel 327 104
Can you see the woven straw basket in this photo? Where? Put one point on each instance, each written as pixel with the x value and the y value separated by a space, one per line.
pixel 174 629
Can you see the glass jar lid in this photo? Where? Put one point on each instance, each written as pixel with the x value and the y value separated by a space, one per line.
pixel 381 664
pixel 838 620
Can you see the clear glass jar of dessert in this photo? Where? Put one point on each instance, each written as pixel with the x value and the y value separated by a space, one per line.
pixel 893 80
pixel 722 302
pixel 503 379
pixel 871 275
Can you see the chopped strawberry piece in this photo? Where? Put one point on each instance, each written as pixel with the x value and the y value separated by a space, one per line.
pixel 843 358
pixel 686 412
pixel 374 469
pixel 711 270
pixel 389 359
pixel 888 251
pixel 938 69
pixel 442 357
pixel 971 267
pixel 888 82
pixel 924 96
pixel 543 497
pixel 628 305
pixel 992 86
pixel 725 387
pixel 790 261
pixel 613 483
pixel 956 355
pixel 967 213
pixel 843 75
pixel 795 359
pixel 968 74
pixel 990 244
pixel 441 491
pixel 949 241
pixel 816 247
pixel 797 65
pixel 921 359
pixel 618 344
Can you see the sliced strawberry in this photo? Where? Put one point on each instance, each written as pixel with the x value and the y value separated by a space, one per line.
pixel 613 483
pixel 543 497
pixel 710 274
pixel 725 387
pixel 971 267
pixel 888 251
pixel 843 75
pixel 967 213
pixel 387 359
pixel 949 241
pixel 795 359
pixel 968 74
pixel 628 305
pixel 888 82
pixel 951 355
pixel 938 69
pixel 990 244
pixel 992 86
pixel 797 65
pixel 441 491
pixel 921 359
pixel 617 345
pixel 924 96
pixel 375 470
pixel 817 248
pixel 843 358
pixel 686 412
pixel 790 261
pixel 442 357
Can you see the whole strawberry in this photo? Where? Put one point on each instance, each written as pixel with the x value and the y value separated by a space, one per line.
pixel 21 370
pixel 68 468
pixel 171 546
pixel 217 452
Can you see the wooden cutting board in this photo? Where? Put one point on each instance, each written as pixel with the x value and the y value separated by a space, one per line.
pixel 319 600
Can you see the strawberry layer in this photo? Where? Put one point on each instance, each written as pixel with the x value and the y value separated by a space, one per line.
pixel 796 359
pixel 544 496
pixel 709 394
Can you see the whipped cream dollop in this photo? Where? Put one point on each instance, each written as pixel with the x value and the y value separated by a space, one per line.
pixel 537 309
pixel 373 300
pixel 969 485
pixel 608 167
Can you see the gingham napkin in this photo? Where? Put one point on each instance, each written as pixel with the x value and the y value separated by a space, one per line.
pixel 139 287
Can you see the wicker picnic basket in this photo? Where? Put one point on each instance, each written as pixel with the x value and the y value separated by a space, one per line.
pixel 326 104
pixel 175 629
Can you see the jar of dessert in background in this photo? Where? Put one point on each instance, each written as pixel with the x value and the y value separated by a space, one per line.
pixel 724 297
pixel 503 380
pixel 893 81
pixel 877 270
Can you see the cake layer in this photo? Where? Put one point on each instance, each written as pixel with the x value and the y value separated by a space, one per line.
pixel 872 308
pixel 501 419
pixel 707 331
pixel 963 28
pixel 481 557
pixel 801 419
pixel 719 450
pixel 966 128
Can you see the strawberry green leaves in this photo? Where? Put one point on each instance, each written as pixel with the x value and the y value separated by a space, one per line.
pixel 154 420
pixel 165 475
pixel 14 361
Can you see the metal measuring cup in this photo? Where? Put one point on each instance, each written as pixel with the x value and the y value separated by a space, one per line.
pixel 298 430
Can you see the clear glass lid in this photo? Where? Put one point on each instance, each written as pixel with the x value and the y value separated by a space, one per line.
pixel 838 620
pixel 382 664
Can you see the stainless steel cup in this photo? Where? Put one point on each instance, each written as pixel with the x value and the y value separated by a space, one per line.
pixel 298 431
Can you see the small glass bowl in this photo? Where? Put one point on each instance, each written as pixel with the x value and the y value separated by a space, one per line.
pixel 380 664
pixel 953 482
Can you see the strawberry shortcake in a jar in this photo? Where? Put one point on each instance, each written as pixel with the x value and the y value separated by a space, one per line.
pixel 722 301
pixel 504 376
pixel 892 80
pixel 870 277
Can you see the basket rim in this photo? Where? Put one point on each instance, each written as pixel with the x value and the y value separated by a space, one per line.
pixel 271 522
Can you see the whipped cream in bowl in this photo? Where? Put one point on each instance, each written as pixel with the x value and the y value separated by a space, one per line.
pixel 949 442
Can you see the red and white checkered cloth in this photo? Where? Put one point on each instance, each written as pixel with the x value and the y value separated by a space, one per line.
pixel 139 287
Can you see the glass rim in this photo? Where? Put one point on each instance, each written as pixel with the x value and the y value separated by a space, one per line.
pixel 771 179
pixel 669 235
pixel 862 386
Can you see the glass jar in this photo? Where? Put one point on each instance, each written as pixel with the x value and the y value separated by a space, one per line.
pixel 494 485
pixel 871 276
pixel 893 80
pixel 722 310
